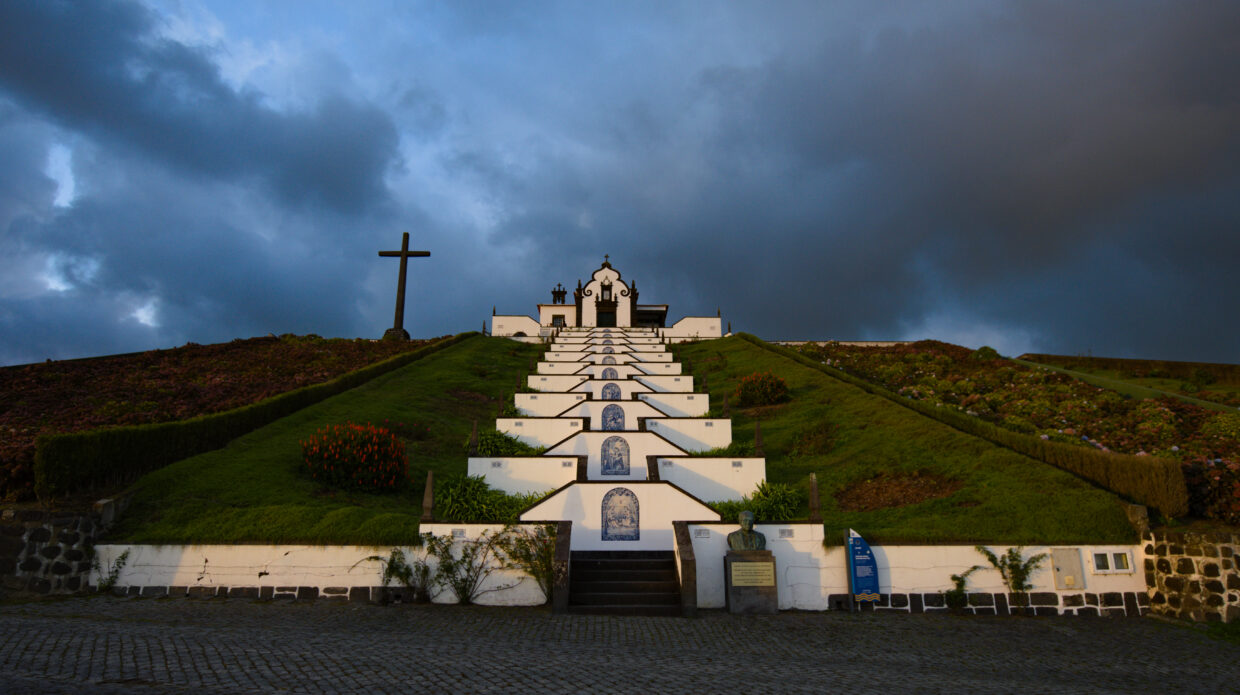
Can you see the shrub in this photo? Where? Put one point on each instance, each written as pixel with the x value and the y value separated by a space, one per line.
pixel 464 566
pixel 1015 570
pixel 761 388
pixel 986 352
pixel 531 550
pixel 493 443
pixel 470 498
pixel 418 576
pixel 356 457
pixel 957 597
pixel 770 502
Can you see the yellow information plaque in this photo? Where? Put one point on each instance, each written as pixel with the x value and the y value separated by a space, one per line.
pixel 753 574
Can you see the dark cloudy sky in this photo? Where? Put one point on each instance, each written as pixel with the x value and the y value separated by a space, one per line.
pixel 1037 176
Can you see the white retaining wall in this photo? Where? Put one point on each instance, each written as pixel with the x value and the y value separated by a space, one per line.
pixel 678 404
pixel 539 431
pixel 693 434
pixel 714 479
pixel 519 475
pixel 658 506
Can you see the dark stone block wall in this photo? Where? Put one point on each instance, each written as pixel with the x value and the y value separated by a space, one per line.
pixel 1129 604
pixel 1193 575
pixel 47 552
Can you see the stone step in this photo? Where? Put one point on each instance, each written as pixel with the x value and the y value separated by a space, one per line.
pixel 621 586
pixel 604 575
pixel 624 599
pixel 652 610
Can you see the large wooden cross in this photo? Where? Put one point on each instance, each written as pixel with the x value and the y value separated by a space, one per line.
pixel 397 331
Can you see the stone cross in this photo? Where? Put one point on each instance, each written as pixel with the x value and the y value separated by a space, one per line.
pixel 397 331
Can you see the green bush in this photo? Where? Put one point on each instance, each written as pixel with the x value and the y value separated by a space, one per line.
pixel 470 499
pixel 113 456
pixel 761 388
pixel 356 457
pixel 986 352
pixel 770 502
pixel 493 443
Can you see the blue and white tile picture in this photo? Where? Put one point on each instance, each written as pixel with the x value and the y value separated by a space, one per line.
pixel 621 516
pixel 607 342
pixel 609 360
pixel 611 392
pixel 610 373
pixel 614 457
pixel 613 418
pixel 608 350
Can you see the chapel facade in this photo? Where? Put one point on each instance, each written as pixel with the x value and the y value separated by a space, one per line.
pixel 607 300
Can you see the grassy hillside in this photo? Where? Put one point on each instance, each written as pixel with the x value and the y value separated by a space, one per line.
pixel 253 490
pixel 849 437
pixel 1214 386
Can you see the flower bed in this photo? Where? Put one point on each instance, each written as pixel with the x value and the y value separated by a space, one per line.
pixel 1057 407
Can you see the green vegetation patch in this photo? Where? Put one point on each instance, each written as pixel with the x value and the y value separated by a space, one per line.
pixel 255 489
pixel 848 436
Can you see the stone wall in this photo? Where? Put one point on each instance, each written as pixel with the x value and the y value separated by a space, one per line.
pixel 1109 604
pixel 1193 575
pixel 46 552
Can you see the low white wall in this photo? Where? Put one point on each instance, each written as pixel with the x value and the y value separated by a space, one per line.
pixel 678 404
pixel 561 367
pixel 714 479
pixel 623 371
pixel 647 357
pixel 594 387
pixel 808 573
pixel 693 434
pixel 520 475
pixel 668 384
pixel 546 404
pixel 511 325
pixel 594 411
pixel 659 504
pixel 695 327
pixel 554 383
pixel 641 445
pixel 289 567
pixel 660 368
pixel 539 431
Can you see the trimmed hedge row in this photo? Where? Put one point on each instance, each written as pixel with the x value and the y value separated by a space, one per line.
pixel 1152 481
pixel 65 463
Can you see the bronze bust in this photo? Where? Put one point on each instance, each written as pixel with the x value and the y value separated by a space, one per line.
pixel 746 538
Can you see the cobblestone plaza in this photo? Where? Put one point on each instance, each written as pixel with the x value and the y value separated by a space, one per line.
pixel 114 645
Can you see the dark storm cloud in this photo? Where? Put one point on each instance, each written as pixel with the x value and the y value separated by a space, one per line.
pixel 100 68
pixel 1039 167
pixel 1053 176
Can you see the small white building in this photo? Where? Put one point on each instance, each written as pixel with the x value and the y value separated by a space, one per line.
pixel 606 301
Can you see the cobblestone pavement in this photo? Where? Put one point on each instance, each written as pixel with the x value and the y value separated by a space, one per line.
pixel 113 645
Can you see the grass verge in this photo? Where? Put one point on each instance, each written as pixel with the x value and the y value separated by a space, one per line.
pixel 253 490
pixel 846 435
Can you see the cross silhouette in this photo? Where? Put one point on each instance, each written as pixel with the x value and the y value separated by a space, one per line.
pixel 397 331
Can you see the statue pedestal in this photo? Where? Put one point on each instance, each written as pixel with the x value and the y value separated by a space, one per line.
pixel 750 581
pixel 396 334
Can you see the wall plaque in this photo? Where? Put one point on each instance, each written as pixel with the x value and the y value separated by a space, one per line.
pixel 753 573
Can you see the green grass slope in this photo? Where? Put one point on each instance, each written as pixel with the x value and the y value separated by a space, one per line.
pixel 847 436
pixel 1139 387
pixel 253 490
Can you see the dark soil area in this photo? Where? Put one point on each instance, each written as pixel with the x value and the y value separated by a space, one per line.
pixel 887 490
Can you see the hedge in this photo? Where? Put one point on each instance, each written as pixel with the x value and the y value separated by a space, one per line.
pixel 1149 480
pixel 65 463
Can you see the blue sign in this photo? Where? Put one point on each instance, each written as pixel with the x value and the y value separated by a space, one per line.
pixel 862 569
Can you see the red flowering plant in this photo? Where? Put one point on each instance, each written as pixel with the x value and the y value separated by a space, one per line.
pixel 356 457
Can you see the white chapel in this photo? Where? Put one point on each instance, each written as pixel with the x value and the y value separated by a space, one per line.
pixel 606 301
